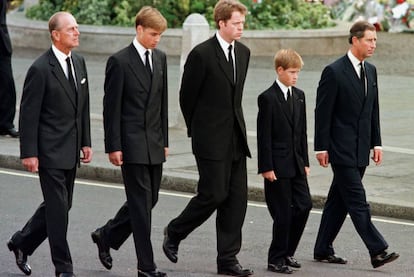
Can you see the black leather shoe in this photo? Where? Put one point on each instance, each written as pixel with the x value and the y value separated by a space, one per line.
pixel 383 258
pixel 332 259
pixel 279 268
pixel 234 270
pixel 292 262
pixel 103 249
pixel 66 274
pixel 11 132
pixel 21 258
pixel 154 273
pixel 170 248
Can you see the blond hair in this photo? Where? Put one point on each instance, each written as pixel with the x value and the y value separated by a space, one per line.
pixel 149 17
pixel 288 58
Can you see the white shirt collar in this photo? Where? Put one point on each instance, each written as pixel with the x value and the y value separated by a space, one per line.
pixel 283 88
pixel 61 57
pixel 224 44
pixel 355 62
pixel 141 50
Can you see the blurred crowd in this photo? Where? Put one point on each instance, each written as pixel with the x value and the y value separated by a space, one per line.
pixel 386 15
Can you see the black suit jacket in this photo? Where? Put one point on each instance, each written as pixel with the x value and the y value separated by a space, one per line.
pixel 282 138
pixel 210 100
pixel 54 122
pixel 136 109
pixel 347 122
pixel 5 43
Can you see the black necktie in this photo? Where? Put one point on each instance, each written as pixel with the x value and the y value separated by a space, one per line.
pixel 362 76
pixel 147 63
pixel 70 75
pixel 231 62
pixel 289 101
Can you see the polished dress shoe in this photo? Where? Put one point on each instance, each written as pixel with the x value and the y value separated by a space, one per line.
pixel 154 273
pixel 292 262
pixel 66 274
pixel 21 258
pixel 170 248
pixel 103 249
pixel 11 132
pixel 234 270
pixel 279 268
pixel 383 258
pixel 332 259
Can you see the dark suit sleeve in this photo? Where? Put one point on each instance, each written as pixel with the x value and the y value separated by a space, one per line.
pixel 30 108
pixel 264 134
pixel 5 42
pixel 192 80
pixel 113 87
pixel 325 101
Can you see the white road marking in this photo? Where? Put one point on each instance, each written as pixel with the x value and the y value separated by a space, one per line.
pixel 186 195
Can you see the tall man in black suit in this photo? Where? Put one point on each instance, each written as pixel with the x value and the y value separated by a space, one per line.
pixel 282 150
pixel 55 130
pixel 210 99
pixel 347 126
pixel 136 137
pixel 7 88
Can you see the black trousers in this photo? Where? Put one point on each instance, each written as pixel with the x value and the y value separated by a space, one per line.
pixel 7 94
pixel 222 187
pixel 289 203
pixel 51 218
pixel 347 195
pixel 142 185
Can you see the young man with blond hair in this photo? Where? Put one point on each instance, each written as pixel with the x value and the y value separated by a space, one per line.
pixel 136 137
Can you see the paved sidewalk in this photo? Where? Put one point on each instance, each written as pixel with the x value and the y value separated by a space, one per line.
pixel 389 187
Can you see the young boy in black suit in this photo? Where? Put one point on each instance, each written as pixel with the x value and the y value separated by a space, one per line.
pixel 283 160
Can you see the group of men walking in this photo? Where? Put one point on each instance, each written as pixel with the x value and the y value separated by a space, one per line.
pixel 55 138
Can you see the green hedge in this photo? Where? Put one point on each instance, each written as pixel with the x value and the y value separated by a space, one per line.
pixel 269 14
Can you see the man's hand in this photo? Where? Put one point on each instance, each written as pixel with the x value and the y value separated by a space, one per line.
pixel 31 164
pixel 377 156
pixel 323 158
pixel 269 175
pixel 116 158
pixel 87 154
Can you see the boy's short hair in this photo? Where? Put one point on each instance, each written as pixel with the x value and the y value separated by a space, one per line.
pixel 288 58
pixel 149 17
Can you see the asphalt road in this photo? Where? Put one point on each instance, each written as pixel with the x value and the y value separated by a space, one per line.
pixel 95 202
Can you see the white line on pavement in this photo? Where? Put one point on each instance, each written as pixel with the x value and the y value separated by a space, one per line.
pixel 186 195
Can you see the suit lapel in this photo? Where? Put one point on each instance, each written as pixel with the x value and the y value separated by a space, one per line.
pixel 223 62
pixel 157 71
pixel 80 77
pixel 138 68
pixel 369 74
pixel 61 77
pixel 282 101
pixel 240 63
pixel 297 106
pixel 349 72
